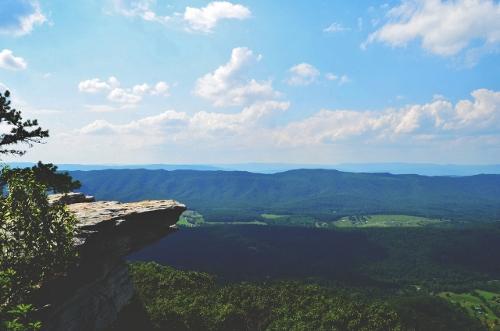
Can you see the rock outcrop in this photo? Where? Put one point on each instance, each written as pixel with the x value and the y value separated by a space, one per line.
pixel 93 293
pixel 70 198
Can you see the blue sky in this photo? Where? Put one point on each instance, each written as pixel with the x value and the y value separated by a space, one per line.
pixel 146 81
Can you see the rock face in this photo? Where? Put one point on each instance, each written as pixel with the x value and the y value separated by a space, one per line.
pixel 91 296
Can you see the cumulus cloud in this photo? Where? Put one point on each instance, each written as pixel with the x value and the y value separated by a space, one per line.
pixel 163 123
pixel 19 17
pixel 335 27
pixel 227 86
pixel 161 88
pixel 11 62
pixel 443 27
pixel 203 19
pixel 201 124
pixel 97 85
pixel 139 8
pixel 206 18
pixel 302 74
pixel 436 121
pixel 115 93
pixel 124 96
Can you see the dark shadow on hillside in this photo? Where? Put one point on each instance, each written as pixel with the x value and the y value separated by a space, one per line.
pixel 264 252
pixel 381 257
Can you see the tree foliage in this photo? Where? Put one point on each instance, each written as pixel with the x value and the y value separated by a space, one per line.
pixel 36 239
pixel 19 131
pixel 187 300
pixel 48 175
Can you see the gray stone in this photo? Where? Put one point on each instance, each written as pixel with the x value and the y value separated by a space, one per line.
pixel 93 293
pixel 70 198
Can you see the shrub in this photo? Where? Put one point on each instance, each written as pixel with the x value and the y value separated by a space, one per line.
pixel 36 241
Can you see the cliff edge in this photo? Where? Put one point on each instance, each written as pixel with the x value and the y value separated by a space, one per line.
pixel 92 294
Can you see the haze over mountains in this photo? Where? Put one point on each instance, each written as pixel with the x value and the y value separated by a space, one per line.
pixel 427 169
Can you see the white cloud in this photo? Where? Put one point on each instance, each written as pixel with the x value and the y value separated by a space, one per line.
pixel 227 86
pixel 141 89
pixel 124 96
pixel 439 119
pixel 436 131
pixel 95 85
pixel 206 18
pixel 11 62
pixel 161 88
pixel 21 18
pixel 203 19
pixel 139 8
pixel 210 124
pixel 302 74
pixel 173 126
pixel 335 27
pixel 117 94
pixel 444 27
pixel 151 125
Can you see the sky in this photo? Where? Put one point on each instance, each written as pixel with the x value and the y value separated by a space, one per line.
pixel 326 82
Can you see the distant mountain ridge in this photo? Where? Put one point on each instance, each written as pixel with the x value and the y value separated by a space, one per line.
pixel 230 195
pixel 426 169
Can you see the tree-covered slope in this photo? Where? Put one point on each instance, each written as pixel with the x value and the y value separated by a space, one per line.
pixel 325 193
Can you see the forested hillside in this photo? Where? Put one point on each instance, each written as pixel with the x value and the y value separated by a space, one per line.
pixel 220 195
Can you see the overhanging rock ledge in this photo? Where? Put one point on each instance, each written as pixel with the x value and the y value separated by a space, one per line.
pixel 94 292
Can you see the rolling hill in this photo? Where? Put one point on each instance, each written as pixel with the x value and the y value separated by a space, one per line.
pixel 223 195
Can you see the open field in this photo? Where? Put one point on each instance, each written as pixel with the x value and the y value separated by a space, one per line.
pixel 195 219
pixel 386 221
pixel 483 305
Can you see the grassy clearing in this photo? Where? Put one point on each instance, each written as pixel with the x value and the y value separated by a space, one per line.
pixel 192 219
pixel 195 219
pixel 386 221
pixel 483 305
pixel 273 216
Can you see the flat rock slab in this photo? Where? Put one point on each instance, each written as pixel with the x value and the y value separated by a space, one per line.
pixel 91 215
pixel 69 198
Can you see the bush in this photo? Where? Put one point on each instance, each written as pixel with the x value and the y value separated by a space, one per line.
pixel 36 241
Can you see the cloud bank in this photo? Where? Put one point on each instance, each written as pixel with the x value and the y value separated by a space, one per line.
pixel 438 121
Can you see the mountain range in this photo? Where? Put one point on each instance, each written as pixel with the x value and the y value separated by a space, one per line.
pixel 328 194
